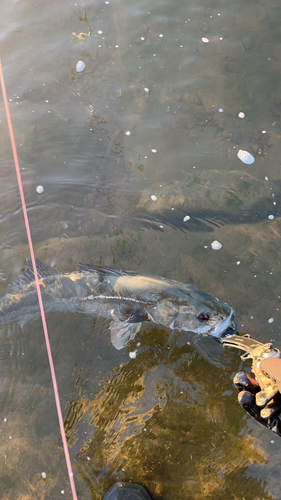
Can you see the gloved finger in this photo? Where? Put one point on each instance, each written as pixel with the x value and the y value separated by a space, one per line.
pixel 272 410
pixel 272 414
pixel 275 426
pixel 243 382
pixel 248 402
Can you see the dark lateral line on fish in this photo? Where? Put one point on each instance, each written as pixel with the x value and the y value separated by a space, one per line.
pixel 91 297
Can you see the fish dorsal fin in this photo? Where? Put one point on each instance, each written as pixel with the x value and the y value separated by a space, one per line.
pixel 91 268
pixel 27 275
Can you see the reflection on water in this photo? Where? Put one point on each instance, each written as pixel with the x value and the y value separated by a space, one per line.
pixel 155 415
pixel 167 418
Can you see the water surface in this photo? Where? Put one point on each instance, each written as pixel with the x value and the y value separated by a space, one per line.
pixel 144 136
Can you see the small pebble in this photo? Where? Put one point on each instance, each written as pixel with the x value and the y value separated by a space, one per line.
pixel 80 66
pixel 266 178
pixel 216 245
pixel 153 197
pixel 238 262
pixel 221 110
pixel 40 189
pixel 272 441
pixel 270 320
pixel 186 218
pixel 128 132
pixel 62 492
pixel 161 35
pixel 205 40
pixel 44 475
pixel 245 157
pixel 133 354
pixel 154 151
pixel 146 90
pixel 99 32
pixel 263 131
pixel 241 114
pixel 271 217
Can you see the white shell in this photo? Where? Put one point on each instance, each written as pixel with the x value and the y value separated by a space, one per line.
pixel 241 114
pixel 245 157
pixel 40 189
pixel 205 40
pixel 80 66
pixel 186 218
pixel 153 197
pixel 216 245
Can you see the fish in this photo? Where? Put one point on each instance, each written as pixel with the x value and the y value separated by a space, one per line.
pixel 128 299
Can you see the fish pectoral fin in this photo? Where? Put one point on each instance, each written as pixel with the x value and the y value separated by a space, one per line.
pixel 126 323
pixel 122 332
pixel 130 313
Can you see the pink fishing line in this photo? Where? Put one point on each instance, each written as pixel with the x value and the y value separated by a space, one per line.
pixel 52 368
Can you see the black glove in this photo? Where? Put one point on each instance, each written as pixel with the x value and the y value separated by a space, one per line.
pixel 270 415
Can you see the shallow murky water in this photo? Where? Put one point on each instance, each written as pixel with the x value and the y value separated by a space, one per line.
pixel 137 153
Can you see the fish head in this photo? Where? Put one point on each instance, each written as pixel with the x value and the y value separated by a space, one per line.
pixel 212 321
pixel 196 311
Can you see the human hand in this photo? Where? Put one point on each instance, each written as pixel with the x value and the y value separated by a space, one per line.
pixel 270 414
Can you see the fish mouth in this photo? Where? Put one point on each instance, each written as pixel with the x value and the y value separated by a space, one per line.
pixel 228 325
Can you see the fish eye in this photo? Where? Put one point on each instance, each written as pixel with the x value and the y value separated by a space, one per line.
pixel 203 316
